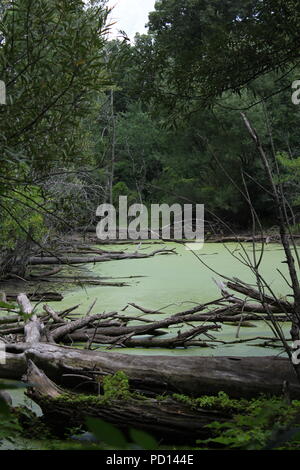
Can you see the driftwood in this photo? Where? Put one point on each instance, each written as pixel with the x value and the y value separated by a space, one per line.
pixel 126 242
pixel 275 238
pixel 154 327
pixel 88 250
pixel 193 376
pixel 9 319
pixel 53 314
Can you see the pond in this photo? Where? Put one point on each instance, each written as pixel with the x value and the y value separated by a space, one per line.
pixel 174 283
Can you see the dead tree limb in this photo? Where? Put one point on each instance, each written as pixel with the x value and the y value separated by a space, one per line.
pixel 33 327
pixel 35 260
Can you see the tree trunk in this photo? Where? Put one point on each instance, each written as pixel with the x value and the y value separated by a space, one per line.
pixel 167 419
pixel 195 376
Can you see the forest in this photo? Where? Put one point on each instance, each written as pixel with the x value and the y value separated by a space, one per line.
pixel 150 342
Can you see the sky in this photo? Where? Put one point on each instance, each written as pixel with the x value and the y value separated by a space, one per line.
pixel 130 15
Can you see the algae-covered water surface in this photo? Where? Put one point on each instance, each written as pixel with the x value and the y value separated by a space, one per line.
pixel 172 283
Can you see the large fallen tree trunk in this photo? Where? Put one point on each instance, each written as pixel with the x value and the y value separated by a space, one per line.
pixel 167 419
pixel 191 375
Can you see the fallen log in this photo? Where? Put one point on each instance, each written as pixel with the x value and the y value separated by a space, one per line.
pixel 77 324
pixel 240 239
pixel 91 281
pixel 9 320
pixel 232 313
pixel 36 296
pixel 168 419
pixel 90 250
pixel 268 305
pixel 192 375
pixel 38 260
pixel 282 305
pixel 154 327
pixel 12 330
pixel 185 340
pixel 198 308
pixel 46 273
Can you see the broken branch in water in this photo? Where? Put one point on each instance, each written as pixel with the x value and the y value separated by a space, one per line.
pixel 71 260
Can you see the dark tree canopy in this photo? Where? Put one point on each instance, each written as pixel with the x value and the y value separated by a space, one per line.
pixel 201 48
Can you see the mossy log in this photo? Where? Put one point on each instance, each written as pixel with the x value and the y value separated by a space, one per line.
pixel 166 418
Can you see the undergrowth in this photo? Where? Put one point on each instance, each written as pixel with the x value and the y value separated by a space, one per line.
pixel 256 424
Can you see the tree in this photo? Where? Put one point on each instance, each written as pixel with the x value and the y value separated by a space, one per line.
pixel 200 49
pixel 52 62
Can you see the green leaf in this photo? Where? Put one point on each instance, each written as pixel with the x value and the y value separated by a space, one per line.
pixel 8 386
pixel 106 433
pixel 143 439
pixel 4 408
pixel 7 306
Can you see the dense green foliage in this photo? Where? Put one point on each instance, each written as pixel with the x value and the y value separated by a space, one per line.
pixel 206 47
pixel 52 55
pixel 257 424
pixel 53 60
pixel 179 132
